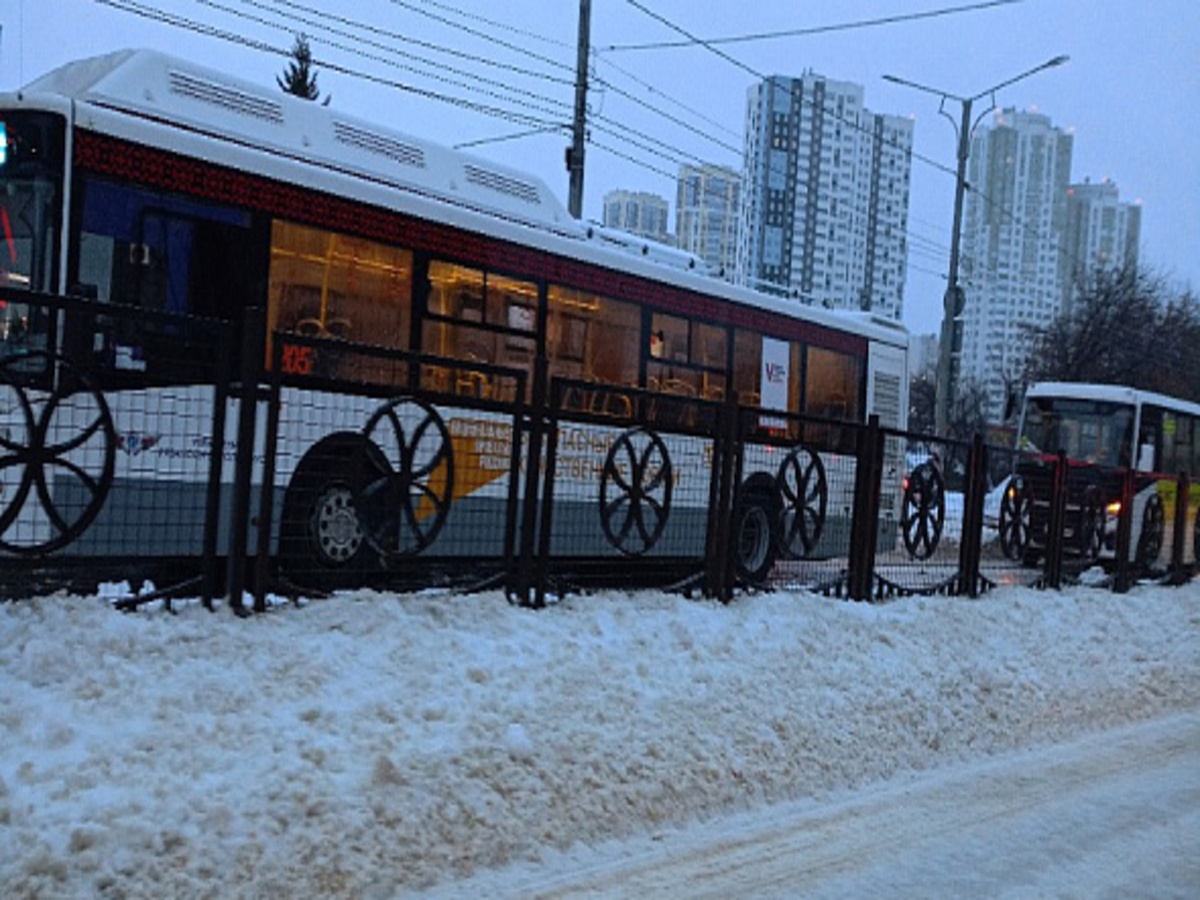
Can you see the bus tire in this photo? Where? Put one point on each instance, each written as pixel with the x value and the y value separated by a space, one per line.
pixel 754 542
pixel 322 544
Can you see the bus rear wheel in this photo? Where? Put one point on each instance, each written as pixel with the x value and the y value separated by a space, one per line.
pixel 754 539
pixel 322 544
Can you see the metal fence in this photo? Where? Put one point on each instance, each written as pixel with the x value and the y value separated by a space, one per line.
pixel 113 434
pixel 137 445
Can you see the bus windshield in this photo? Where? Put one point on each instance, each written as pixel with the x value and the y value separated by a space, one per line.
pixel 1091 431
pixel 31 198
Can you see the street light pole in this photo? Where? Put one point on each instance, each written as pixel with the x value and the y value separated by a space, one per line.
pixel 953 301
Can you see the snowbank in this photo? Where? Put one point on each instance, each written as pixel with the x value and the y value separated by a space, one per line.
pixel 374 744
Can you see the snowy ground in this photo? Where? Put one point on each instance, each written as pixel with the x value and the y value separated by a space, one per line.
pixel 377 746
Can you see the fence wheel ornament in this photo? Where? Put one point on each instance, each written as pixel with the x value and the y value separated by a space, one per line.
pixel 83 456
pixel 1016 510
pixel 635 491
pixel 805 493
pixel 924 512
pixel 403 510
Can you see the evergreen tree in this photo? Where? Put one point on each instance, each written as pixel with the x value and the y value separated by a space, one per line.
pixel 299 79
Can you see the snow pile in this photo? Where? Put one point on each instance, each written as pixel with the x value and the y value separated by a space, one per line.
pixel 371 745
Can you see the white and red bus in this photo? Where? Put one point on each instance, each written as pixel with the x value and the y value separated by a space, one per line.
pixel 1103 431
pixel 141 180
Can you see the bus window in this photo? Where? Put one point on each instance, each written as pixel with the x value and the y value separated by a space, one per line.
pixel 334 285
pixel 481 317
pixel 594 339
pixel 833 385
pixel 686 357
pixel 31 167
pixel 331 285
pixel 831 391
pixel 747 366
pixel 1086 430
pixel 162 252
pixel 1177 444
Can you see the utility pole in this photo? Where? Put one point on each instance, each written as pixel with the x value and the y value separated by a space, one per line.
pixel 950 342
pixel 579 127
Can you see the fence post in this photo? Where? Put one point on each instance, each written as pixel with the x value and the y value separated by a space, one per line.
pixel 545 525
pixel 864 525
pixel 247 393
pixel 720 519
pixel 1183 490
pixel 1054 530
pixel 971 546
pixel 1121 580
pixel 539 422
pixel 212 502
pixel 266 503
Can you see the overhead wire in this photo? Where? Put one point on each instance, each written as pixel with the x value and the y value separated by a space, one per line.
pixel 818 29
pixel 492 88
pixel 427 45
pixel 175 20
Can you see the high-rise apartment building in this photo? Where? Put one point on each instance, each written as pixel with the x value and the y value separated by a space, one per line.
pixel 1013 268
pixel 637 212
pixel 706 215
pixel 824 196
pixel 1101 232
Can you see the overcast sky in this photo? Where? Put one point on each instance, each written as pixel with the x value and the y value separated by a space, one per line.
pixel 1130 93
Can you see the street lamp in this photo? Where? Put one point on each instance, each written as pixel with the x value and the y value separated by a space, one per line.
pixel 950 344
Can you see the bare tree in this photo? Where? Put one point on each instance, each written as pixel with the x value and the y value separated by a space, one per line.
pixel 1124 328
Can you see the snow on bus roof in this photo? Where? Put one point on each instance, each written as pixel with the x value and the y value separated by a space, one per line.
pixel 157 88
pixel 1113 393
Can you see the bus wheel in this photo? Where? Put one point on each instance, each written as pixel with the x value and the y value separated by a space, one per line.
pixel 754 542
pixel 1153 524
pixel 322 544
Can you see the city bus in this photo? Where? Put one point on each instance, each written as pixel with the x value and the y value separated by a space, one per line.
pixel 149 182
pixel 1104 431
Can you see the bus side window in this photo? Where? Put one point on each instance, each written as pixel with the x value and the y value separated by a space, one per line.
pixel 153 250
pixel 1177 444
pixel 164 253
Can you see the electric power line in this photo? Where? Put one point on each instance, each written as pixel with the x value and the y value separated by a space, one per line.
pixel 427 45
pixel 174 20
pixel 819 29
pixel 492 88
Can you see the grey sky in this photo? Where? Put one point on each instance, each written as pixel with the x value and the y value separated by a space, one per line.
pixel 1130 93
